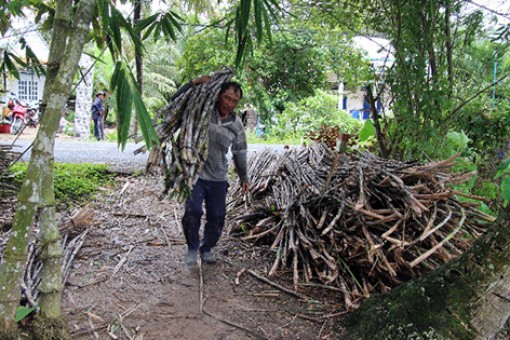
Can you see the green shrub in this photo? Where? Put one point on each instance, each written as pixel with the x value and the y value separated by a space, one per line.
pixel 73 182
pixel 69 116
pixel 310 114
pixel 503 172
pixel 492 184
pixel 270 139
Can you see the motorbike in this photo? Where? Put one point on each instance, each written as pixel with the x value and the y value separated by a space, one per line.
pixel 33 114
pixel 18 111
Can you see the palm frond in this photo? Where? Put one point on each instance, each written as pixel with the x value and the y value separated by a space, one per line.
pixel 160 25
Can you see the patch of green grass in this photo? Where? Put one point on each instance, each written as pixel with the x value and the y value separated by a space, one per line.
pixel 270 139
pixel 73 182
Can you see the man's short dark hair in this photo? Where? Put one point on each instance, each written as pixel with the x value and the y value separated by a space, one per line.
pixel 237 87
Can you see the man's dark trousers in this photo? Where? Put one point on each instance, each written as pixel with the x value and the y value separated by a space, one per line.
pixel 98 128
pixel 214 194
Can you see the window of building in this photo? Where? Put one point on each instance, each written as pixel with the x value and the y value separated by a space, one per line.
pixel 28 90
pixel 28 86
pixel 23 90
pixel 33 91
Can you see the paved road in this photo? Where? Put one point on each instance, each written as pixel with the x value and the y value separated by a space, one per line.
pixel 75 151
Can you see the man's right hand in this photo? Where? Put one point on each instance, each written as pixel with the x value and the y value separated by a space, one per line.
pixel 200 80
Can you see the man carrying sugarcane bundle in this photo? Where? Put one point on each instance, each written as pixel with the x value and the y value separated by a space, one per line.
pixel 225 131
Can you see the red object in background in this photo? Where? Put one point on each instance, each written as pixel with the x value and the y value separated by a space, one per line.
pixel 5 128
pixel 18 114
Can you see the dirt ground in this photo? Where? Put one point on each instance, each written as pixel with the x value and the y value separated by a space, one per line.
pixel 129 281
pixel 29 133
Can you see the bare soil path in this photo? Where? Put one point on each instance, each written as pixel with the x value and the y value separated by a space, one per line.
pixel 129 281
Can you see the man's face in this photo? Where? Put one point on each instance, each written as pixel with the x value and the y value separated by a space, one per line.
pixel 228 101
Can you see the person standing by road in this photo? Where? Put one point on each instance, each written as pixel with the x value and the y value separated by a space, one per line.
pixel 225 131
pixel 98 115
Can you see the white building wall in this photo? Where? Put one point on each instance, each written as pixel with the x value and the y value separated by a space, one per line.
pixel 354 99
pixel 84 97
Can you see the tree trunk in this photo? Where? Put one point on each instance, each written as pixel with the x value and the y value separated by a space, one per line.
pixel 14 255
pixel 449 45
pixel 37 190
pixel 467 298
pixel 138 63
pixel 375 118
pixel 62 25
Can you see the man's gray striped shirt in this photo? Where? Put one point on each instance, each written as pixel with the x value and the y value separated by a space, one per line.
pixel 225 134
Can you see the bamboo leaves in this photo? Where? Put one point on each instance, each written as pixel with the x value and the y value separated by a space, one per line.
pixel 127 93
pixel 160 25
pixel 258 10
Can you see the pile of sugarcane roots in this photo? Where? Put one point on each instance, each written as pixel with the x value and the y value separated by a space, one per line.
pixel 74 230
pixel 358 224
pixel 183 135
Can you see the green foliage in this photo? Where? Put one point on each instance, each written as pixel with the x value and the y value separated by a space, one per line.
pixel 367 132
pixel 419 77
pixel 503 168
pixel 22 312
pixel 271 139
pixel 346 61
pixel 310 114
pixel 252 19
pixel 464 165
pixel 10 62
pixel 485 118
pixel 199 58
pixel 69 130
pixel 128 96
pixel 455 142
pixel 160 25
pixel 111 137
pixel 505 190
pixel 503 171
pixel 291 68
pixel 73 182
pixel 160 73
pixel 495 190
pixel 8 10
pixel 453 89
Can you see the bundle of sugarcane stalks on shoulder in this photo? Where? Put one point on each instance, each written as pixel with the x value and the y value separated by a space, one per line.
pixel 182 131
pixel 357 223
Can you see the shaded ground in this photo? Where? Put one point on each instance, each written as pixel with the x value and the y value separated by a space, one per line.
pixel 129 281
pixel 29 133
